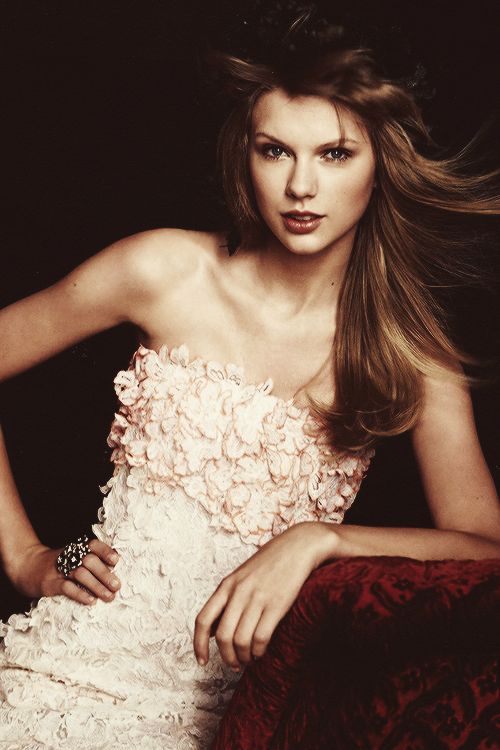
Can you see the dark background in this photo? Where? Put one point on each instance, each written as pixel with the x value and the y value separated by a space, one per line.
pixel 109 129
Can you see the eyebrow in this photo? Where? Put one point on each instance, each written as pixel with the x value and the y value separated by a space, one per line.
pixel 323 145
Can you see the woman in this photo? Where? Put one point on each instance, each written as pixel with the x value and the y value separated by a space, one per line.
pixel 231 480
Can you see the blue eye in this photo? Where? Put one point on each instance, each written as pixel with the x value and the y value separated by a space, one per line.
pixel 344 154
pixel 270 147
pixel 269 151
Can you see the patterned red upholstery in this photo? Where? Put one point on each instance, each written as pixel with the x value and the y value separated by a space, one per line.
pixel 378 652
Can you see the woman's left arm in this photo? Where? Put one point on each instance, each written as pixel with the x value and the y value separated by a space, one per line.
pixel 249 603
pixel 458 485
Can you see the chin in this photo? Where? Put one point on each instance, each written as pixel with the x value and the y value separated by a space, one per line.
pixel 303 244
pixel 307 250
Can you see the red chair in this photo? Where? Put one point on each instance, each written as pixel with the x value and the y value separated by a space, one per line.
pixel 378 653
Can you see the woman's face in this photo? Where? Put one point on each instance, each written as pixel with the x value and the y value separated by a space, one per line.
pixel 296 164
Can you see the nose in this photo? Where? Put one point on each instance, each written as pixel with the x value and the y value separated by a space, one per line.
pixel 302 182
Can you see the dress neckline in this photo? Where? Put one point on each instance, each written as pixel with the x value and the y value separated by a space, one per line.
pixel 180 355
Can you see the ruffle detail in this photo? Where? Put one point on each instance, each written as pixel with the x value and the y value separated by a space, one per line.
pixel 124 674
pixel 246 456
pixel 207 468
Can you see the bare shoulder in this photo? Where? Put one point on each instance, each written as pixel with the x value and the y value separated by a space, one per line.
pixel 123 282
pixel 152 261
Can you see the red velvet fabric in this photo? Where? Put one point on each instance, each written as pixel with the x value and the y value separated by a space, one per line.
pixel 378 652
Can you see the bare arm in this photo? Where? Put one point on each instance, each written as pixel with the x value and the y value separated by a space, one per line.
pixel 21 533
pixel 30 565
pixel 115 285
pixel 251 601
pixel 458 484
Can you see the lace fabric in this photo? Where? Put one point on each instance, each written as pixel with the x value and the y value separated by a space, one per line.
pixel 207 469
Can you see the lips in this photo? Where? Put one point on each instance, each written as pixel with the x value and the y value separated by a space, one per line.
pixel 301 222
pixel 303 215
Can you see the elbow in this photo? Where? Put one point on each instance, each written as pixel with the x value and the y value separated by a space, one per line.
pixel 475 543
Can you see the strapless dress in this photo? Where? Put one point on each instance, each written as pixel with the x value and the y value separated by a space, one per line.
pixel 207 468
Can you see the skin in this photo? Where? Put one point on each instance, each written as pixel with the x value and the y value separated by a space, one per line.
pixel 296 163
pixel 272 311
pixel 246 608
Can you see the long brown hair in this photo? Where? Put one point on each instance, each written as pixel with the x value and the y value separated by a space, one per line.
pixel 390 329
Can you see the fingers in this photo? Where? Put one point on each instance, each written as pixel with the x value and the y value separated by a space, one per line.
pixel 101 572
pixel 94 575
pixel 224 635
pixel 103 551
pixel 253 633
pixel 203 623
pixel 244 627
pixel 244 633
pixel 263 632
pixel 92 579
pixel 73 591
pixel 84 577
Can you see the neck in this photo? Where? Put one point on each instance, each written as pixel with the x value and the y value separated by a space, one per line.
pixel 299 283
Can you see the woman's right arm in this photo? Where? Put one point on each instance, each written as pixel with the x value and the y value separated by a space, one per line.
pixel 30 565
pixel 116 285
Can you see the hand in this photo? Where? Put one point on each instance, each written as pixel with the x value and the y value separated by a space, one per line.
pixel 249 603
pixel 35 574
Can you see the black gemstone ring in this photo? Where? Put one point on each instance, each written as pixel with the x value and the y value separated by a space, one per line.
pixel 72 555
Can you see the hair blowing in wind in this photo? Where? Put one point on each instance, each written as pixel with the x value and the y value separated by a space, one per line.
pixel 391 329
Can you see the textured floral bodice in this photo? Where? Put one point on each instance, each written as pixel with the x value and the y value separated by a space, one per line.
pixel 207 469
pixel 242 453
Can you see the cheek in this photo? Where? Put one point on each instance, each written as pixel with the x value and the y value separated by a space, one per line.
pixel 354 191
pixel 267 186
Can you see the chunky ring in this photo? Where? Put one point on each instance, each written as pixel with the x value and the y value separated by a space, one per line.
pixel 72 555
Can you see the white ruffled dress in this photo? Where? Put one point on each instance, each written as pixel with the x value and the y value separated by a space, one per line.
pixel 207 469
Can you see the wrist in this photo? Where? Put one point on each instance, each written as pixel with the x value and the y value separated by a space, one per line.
pixel 329 549
pixel 322 540
pixel 14 559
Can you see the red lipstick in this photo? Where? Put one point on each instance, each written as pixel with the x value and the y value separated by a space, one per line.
pixel 301 222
